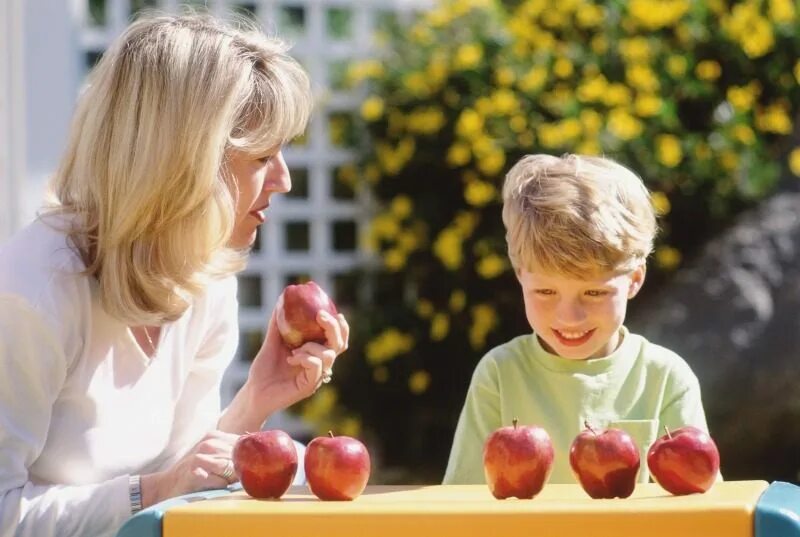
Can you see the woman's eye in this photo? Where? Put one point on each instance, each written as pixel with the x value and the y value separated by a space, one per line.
pixel 265 160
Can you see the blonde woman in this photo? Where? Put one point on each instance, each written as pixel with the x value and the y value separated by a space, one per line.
pixel 118 310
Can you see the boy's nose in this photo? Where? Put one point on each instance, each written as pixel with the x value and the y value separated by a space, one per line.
pixel 278 179
pixel 570 313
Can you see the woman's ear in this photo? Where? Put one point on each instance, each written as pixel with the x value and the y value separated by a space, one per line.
pixel 637 280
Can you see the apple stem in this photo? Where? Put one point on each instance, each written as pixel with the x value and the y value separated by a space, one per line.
pixel 669 434
pixel 586 424
pixel 330 433
pixel 514 422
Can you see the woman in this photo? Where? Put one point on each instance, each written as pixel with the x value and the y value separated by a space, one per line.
pixel 118 310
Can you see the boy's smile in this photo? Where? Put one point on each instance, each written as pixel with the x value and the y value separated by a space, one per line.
pixel 578 318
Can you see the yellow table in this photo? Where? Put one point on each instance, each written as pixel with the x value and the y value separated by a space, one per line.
pixel 441 511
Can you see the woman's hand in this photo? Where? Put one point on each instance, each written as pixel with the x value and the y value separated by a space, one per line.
pixel 283 376
pixel 280 377
pixel 201 468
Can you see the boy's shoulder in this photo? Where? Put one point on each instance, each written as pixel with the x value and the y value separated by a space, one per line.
pixel 512 353
pixel 655 356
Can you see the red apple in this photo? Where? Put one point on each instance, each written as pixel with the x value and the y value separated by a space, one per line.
pixel 265 463
pixel 297 310
pixel 606 464
pixel 517 461
pixel 684 461
pixel 337 467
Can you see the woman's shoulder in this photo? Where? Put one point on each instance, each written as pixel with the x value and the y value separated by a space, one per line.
pixel 39 266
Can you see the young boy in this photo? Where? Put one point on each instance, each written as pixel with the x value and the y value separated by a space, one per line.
pixel 579 230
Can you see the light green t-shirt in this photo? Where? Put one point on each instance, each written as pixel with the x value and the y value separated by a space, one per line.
pixel 640 388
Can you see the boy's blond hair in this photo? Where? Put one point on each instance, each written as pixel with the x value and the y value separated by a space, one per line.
pixel 576 215
pixel 145 170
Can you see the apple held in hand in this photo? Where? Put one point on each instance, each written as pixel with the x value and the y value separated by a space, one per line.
pixel 265 463
pixel 606 463
pixel 297 309
pixel 684 461
pixel 337 467
pixel 517 461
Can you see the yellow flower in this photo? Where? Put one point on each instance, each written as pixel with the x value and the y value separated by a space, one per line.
pixel 417 83
pixel 349 426
pixel 504 76
pixel 419 381
pixel 744 134
pixel 468 56
pixel 797 71
pixel 387 345
pixel 729 160
pixel 380 374
pixel 465 222
pixel 534 79
pixel 385 226
pixel 491 266
pixel 458 154
pixel 424 308
pixel 504 101
pixel 484 319
pixel 372 108
pixel 647 105
pixel 394 259
pixel 492 163
pixel 478 193
pixel 469 124
pixel 617 95
pixel 440 326
pixel 668 148
pixel 563 68
pixel 591 121
pixel 667 257
pixel 394 159
pixel 635 49
pixel 458 299
pixel 589 147
pixel 592 88
pixel 518 123
pixel 599 44
pixel 655 14
pixel 589 15
pixel 794 161
pixel 781 11
pixel 676 65
pixel 321 405
pixel 708 70
pixel 753 32
pixel 774 118
pixel 363 70
pixel 447 247
pixel 623 125
pixel 401 206
pixel 742 98
pixel 642 78
pixel 426 120
pixel 660 202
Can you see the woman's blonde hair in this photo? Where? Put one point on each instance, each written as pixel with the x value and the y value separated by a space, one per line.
pixel 144 172
pixel 576 215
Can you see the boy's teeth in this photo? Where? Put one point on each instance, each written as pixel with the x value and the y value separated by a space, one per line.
pixel 573 335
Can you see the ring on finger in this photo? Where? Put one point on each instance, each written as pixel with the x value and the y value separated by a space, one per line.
pixel 228 474
pixel 327 374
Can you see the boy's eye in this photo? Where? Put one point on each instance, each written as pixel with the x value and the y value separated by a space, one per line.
pixel 596 292
pixel 544 291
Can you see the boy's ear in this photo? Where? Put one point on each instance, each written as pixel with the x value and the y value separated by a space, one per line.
pixel 637 280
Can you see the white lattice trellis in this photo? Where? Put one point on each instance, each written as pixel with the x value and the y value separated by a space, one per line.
pixel 314 231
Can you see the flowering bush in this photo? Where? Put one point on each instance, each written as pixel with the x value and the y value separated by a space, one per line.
pixel 696 97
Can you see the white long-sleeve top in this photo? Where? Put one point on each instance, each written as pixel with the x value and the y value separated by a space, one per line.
pixel 81 406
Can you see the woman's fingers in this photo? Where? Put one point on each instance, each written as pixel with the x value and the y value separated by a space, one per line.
pixel 336 330
pixel 212 469
pixel 326 355
pixel 311 370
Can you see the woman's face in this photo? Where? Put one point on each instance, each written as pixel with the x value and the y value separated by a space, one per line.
pixel 255 180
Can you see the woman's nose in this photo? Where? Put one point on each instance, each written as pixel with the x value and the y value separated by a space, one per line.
pixel 278 178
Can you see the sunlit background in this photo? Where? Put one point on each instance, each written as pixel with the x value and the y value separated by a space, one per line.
pixel 421 109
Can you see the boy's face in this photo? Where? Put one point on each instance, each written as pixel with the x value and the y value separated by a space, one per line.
pixel 578 319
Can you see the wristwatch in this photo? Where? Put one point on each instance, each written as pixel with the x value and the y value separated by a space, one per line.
pixel 135 491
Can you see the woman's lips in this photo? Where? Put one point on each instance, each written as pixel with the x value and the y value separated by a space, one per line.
pixel 573 338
